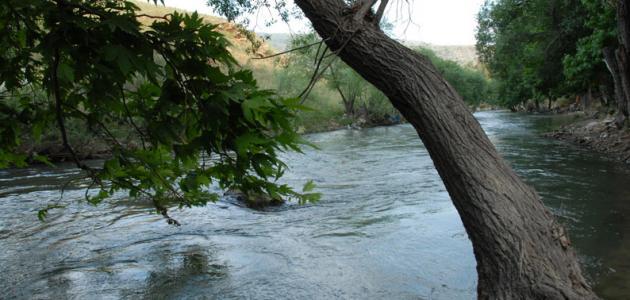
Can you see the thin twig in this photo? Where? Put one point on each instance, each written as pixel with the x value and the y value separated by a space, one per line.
pixel 316 76
pixel 59 113
pixel 364 9
pixel 291 50
pixel 124 100
pixel 380 11
pixel 315 79
pixel 164 17
pixel 319 48
pixel 311 82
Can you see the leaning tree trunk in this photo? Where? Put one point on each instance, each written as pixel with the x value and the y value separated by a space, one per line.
pixel 522 252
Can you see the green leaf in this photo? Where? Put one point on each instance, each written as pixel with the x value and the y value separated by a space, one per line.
pixel 308 186
pixel 43 159
pixel 21 36
pixel 65 72
pixel 156 95
pixel 43 213
pixel 102 195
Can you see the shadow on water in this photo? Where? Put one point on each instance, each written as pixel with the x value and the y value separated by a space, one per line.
pixel 385 227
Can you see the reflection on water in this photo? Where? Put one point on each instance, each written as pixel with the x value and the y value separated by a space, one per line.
pixel 385 227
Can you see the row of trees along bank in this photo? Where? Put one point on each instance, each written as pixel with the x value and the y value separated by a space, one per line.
pixel 360 102
pixel 543 50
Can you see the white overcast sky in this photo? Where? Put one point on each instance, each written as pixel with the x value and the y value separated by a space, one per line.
pixel 440 22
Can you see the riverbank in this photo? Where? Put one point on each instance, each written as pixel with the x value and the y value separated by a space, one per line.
pixel 88 146
pixel 596 133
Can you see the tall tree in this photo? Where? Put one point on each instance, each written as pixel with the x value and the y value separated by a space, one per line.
pixel 523 43
pixel 522 251
pixel 622 56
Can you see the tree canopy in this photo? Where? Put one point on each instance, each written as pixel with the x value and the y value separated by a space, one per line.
pixel 545 49
pixel 197 118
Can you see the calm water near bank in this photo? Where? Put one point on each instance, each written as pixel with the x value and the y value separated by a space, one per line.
pixel 385 227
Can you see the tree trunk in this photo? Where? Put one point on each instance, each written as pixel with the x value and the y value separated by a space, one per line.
pixel 623 23
pixel 605 94
pixel 521 250
pixel 624 74
pixel 348 104
pixel 620 96
pixel 622 54
pixel 586 99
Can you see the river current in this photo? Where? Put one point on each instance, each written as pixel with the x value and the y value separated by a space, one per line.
pixel 385 227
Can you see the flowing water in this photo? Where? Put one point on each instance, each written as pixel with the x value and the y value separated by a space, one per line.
pixel 385 227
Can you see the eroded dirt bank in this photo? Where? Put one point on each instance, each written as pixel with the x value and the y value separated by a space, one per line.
pixel 598 134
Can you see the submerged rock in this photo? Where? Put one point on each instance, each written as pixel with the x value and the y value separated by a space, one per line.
pixel 254 201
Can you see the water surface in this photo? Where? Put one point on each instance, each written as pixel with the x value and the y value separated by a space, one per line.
pixel 385 227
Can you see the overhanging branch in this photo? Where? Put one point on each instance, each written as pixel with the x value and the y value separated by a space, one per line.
pixel 292 50
pixel 380 11
pixel 363 8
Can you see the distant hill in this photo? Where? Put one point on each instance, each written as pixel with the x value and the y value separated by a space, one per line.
pixel 465 55
pixel 275 42
pixel 241 47
pixel 278 41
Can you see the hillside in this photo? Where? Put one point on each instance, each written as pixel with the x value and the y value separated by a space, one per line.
pixel 464 55
pixel 241 47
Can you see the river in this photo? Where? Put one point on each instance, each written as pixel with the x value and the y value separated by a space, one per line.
pixel 384 228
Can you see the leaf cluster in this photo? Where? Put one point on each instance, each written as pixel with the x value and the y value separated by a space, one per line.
pixel 541 49
pixel 197 118
pixel 470 83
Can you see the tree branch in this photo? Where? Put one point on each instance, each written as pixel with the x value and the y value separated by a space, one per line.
pixel 59 113
pixel 129 116
pixel 311 82
pixel 291 50
pixel 364 7
pixel 380 11
pixel 317 74
pixel 164 17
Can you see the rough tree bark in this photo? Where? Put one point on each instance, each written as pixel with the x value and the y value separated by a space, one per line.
pixel 620 96
pixel 522 252
pixel 623 54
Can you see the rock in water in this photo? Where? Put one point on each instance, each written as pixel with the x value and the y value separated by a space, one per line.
pixel 254 201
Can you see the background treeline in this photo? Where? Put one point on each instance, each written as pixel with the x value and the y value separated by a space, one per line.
pixel 343 98
pixel 539 51
pixel 469 81
pixel 340 97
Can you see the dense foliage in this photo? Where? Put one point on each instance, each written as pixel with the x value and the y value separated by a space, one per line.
pixel 470 83
pixel 358 99
pixel 585 68
pixel 312 62
pixel 543 49
pixel 196 119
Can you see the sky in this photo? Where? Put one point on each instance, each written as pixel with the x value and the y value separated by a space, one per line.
pixel 439 22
